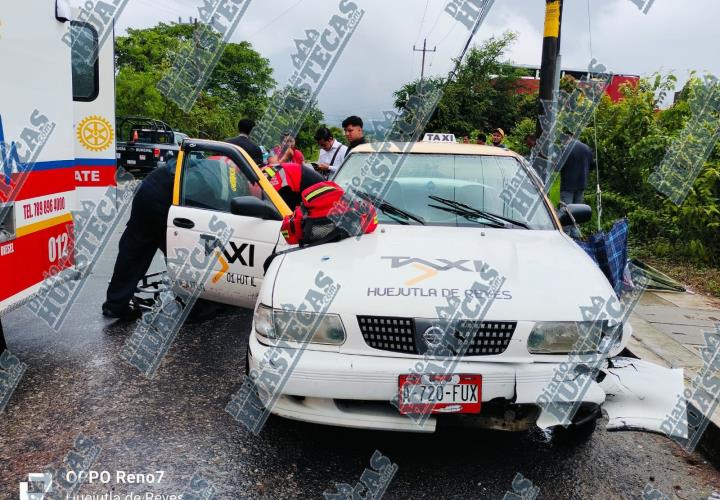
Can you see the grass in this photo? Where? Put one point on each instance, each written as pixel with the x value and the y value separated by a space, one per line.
pixel 699 278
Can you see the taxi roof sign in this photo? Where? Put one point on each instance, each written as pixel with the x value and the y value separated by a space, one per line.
pixel 430 137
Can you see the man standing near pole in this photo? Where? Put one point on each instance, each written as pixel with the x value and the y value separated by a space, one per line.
pixel 574 174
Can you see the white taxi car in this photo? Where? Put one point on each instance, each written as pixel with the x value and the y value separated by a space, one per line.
pixel 457 308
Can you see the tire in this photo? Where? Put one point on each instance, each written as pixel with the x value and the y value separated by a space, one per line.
pixel 582 428
pixel 577 433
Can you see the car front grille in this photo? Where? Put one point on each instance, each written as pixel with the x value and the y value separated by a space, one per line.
pixel 388 333
pixel 407 335
pixel 488 337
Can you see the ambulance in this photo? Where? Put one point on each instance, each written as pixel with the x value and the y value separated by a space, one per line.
pixel 57 137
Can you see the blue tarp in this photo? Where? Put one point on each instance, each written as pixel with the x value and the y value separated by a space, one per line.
pixel 609 251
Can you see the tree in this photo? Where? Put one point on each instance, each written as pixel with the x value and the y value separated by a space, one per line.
pixel 485 93
pixel 289 105
pixel 339 135
pixel 633 136
pixel 238 86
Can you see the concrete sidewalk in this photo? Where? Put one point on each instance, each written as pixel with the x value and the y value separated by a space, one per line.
pixel 668 330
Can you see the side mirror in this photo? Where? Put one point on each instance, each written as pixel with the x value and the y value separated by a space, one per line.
pixel 249 206
pixel 581 214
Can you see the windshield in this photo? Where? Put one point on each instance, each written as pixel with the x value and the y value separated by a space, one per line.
pixel 472 180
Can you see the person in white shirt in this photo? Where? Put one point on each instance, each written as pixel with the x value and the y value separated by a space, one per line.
pixel 332 151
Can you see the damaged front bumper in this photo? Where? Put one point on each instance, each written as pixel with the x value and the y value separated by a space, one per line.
pixel 643 396
pixel 635 394
pixel 355 391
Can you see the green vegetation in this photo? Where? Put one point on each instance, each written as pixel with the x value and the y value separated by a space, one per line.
pixel 632 138
pixel 632 135
pixel 240 86
pixel 483 95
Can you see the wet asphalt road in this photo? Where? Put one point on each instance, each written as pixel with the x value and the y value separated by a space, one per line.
pixel 76 383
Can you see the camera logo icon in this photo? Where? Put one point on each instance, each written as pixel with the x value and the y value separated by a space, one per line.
pixel 45 479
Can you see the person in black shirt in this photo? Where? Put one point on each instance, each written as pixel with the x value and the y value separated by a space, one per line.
pixel 574 174
pixel 353 127
pixel 243 140
pixel 144 234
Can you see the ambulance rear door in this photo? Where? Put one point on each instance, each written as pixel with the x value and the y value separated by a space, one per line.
pixel 36 149
pixel 94 113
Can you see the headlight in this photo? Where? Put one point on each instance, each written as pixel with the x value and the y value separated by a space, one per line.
pixel 563 337
pixel 295 326
pixel 264 322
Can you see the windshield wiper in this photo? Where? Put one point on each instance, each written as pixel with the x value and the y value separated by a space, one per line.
pixel 388 208
pixel 472 213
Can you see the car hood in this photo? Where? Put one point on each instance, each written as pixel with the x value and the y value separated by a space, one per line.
pixel 411 270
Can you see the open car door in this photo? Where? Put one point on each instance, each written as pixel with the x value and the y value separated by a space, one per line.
pixel 219 181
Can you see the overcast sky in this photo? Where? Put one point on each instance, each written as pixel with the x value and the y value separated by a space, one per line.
pixel 673 36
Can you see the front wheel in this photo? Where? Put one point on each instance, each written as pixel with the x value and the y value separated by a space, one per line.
pixel 583 426
pixel 578 433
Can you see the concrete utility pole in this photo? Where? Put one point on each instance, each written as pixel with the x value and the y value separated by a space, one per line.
pixel 424 50
pixel 550 51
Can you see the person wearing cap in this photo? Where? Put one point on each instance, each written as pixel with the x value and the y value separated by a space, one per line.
pixel 498 135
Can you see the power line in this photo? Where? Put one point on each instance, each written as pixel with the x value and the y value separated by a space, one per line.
pixel 437 19
pixel 422 23
pixel 275 19
pixel 485 9
pixel 450 32
pixel 454 25
pixel 598 191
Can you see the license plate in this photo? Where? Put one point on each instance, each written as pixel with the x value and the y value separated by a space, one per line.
pixel 440 393
pixel 142 157
pixel 130 162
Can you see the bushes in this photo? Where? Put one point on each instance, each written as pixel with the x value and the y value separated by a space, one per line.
pixel 633 136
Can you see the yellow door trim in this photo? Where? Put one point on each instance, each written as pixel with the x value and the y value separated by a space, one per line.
pixel 265 185
pixel 267 188
pixel 178 170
